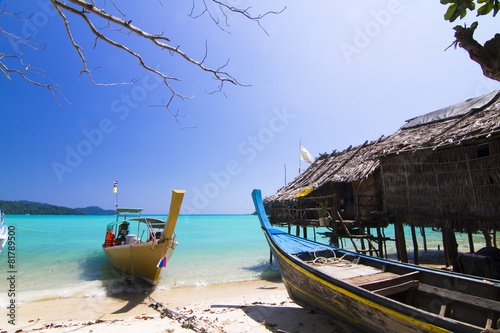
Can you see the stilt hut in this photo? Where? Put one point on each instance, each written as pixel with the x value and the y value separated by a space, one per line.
pixel 439 170
pixel 442 170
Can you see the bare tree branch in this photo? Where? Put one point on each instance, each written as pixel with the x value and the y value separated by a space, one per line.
pixel 225 8
pixel 94 14
pixel 13 63
pixel 85 9
pixel 174 114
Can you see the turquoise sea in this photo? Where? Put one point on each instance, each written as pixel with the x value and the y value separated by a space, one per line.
pixel 61 256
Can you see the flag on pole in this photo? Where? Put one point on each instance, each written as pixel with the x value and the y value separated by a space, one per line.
pixel 305 156
pixel 115 186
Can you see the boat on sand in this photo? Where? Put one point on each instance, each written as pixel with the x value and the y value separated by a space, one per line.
pixel 379 295
pixel 141 246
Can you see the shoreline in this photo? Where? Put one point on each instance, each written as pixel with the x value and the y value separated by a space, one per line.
pixel 256 306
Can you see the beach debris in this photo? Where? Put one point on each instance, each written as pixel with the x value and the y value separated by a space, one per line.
pixel 185 321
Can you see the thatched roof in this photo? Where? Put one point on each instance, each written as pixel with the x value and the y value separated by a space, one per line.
pixel 454 125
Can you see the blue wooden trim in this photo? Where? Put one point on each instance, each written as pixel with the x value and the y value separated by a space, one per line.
pixel 261 212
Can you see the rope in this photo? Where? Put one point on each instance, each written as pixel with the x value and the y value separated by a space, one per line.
pixel 330 261
pixel 186 322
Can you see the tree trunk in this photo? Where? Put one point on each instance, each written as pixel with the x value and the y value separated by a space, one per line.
pixel 487 56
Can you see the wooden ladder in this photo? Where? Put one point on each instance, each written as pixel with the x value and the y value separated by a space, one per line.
pixel 371 247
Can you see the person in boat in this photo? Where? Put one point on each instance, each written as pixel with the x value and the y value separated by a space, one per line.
pixel 110 238
pixel 156 235
pixel 122 233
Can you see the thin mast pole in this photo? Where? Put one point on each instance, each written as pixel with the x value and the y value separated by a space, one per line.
pixel 285 173
pixel 300 160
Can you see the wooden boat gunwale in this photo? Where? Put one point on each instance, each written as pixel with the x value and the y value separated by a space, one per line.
pixel 424 320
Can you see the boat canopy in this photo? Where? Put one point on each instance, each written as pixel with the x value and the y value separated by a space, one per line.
pixel 129 210
pixel 152 221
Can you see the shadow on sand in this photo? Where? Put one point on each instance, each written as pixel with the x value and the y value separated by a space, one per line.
pixel 283 318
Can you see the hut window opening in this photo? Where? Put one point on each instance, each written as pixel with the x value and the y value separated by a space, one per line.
pixel 483 151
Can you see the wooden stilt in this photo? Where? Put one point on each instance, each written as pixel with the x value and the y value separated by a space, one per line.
pixel 334 240
pixel 415 245
pixel 422 231
pixel 304 232
pixel 471 242
pixel 487 238
pixel 450 245
pixel 445 248
pixel 297 231
pixel 385 244
pixel 380 243
pixel 400 242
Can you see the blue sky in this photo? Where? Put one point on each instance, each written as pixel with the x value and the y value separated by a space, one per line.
pixel 330 74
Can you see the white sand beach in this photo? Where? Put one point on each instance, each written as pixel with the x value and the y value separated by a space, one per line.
pixel 254 306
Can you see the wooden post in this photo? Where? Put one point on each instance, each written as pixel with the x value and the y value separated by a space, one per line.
pixel 334 240
pixel 304 232
pixel 270 257
pixel 471 242
pixel 450 245
pixel 380 243
pixel 422 231
pixel 415 245
pixel 487 238
pixel 445 248
pixel 297 231
pixel 400 242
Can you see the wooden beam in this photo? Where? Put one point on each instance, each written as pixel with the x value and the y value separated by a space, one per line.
pixel 475 301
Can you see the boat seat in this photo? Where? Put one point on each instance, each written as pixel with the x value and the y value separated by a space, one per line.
pixel 393 285
pixel 363 279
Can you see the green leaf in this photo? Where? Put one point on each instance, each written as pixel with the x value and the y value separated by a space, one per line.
pixel 496 8
pixel 486 9
pixel 450 13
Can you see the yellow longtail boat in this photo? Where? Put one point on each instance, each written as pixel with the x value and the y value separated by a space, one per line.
pixel 141 246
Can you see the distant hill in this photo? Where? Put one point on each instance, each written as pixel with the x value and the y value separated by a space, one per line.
pixel 94 210
pixel 36 208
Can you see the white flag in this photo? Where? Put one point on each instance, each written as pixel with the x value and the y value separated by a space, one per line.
pixel 305 156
